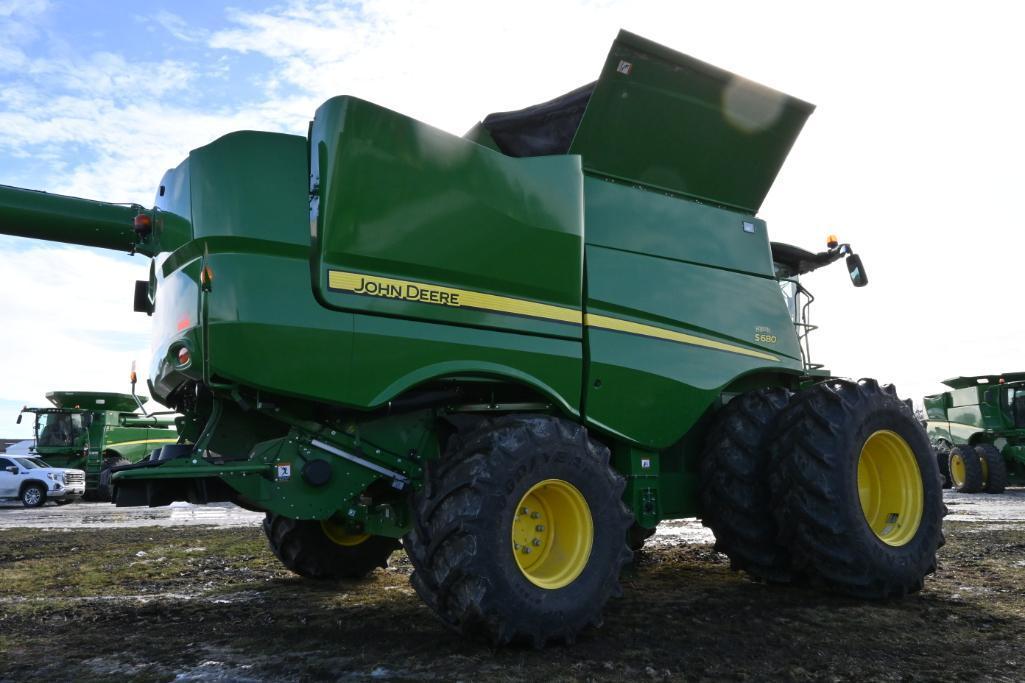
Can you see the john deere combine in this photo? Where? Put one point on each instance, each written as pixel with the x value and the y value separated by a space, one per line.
pixel 978 431
pixel 516 350
pixel 95 431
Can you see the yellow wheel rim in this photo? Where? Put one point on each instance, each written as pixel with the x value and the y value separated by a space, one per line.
pixel 890 488
pixel 552 533
pixel 340 535
pixel 957 470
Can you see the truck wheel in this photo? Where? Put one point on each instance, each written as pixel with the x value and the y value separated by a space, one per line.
pixel 520 531
pixel 856 490
pixel 966 473
pixel 942 449
pixel 637 535
pixel 735 497
pixel 103 489
pixel 33 496
pixel 995 467
pixel 324 550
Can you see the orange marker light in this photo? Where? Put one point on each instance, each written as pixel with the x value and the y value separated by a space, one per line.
pixel 832 241
pixel 183 356
pixel 142 224
pixel 183 323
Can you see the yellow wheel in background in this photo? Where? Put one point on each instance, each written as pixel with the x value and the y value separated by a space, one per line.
pixel 340 535
pixel 968 470
pixel 552 534
pixel 890 487
pixel 957 470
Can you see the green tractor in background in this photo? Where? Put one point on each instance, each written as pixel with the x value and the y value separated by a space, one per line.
pixel 517 350
pixel 978 431
pixel 96 431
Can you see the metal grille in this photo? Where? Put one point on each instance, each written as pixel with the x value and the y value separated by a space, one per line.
pixel 74 477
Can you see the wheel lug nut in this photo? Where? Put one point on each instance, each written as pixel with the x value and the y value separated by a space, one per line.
pixel 526 550
pixel 534 515
pixel 516 546
pixel 524 511
pixel 537 541
pixel 539 527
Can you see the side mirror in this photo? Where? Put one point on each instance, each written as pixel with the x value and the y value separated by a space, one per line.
pixel 142 303
pixel 19 418
pixel 13 469
pixel 859 278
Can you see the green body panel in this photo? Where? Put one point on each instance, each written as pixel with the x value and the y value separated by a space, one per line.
pixel 399 199
pixel 990 412
pixel 87 427
pixel 663 119
pixel 683 267
pixel 367 287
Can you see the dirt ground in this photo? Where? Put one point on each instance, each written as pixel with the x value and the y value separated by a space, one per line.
pixel 202 603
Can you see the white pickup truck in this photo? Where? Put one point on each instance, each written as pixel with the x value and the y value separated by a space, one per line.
pixel 33 482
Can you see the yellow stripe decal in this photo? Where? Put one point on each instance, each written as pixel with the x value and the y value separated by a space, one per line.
pixel 132 443
pixel 405 290
pixel 387 288
pixel 606 323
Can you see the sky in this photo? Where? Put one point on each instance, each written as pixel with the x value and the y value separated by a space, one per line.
pixel 914 154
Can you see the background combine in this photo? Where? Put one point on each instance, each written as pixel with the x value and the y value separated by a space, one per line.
pixel 978 431
pixel 95 431
pixel 516 350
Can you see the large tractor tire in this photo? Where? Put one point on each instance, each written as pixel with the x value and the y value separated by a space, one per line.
pixel 103 490
pixel 942 448
pixel 966 475
pixel 735 498
pixel 994 468
pixel 520 531
pixel 856 490
pixel 323 550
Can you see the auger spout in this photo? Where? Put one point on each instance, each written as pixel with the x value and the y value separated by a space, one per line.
pixel 58 218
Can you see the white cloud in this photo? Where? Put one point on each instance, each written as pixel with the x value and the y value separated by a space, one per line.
pixel 913 155
pixel 178 27
pixel 68 322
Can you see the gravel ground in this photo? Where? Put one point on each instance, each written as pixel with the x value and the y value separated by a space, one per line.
pixel 94 593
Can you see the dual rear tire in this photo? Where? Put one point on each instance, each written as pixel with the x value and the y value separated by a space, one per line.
pixel 974 469
pixel 852 500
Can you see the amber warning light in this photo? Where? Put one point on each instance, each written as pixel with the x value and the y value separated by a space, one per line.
pixel 143 224
pixel 832 242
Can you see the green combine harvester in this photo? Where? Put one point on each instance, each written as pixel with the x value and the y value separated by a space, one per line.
pixel 517 351
pixel 978 431
pixel 96 431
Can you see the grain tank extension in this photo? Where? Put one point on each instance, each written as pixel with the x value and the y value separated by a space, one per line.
pixel 516 350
